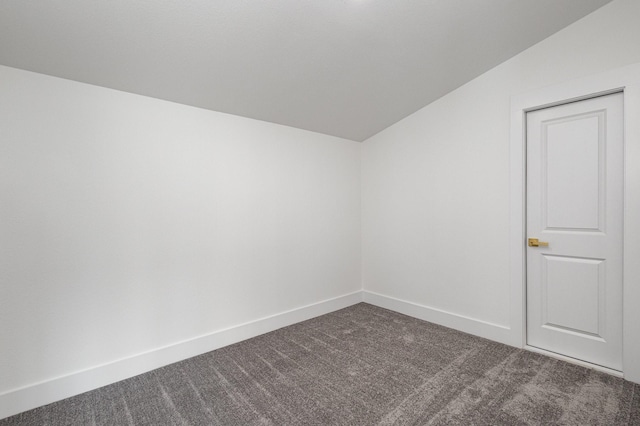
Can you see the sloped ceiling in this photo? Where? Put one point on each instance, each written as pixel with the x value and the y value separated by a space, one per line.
pixel 348 68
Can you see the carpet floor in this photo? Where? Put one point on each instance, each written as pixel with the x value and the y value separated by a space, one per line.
pixel 362 365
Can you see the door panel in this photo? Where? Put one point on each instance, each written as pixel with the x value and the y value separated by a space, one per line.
pixel 573 188
pixel 572 294
pixel 574 202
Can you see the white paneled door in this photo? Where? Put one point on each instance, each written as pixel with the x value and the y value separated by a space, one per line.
pixel 575 211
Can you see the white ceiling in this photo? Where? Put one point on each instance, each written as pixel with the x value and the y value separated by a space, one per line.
pixel 348 68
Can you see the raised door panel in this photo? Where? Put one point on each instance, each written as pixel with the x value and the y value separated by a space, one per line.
pixel 573 161
pixel 573 295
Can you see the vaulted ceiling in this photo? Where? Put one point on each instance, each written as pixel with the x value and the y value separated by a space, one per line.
pixel 348 68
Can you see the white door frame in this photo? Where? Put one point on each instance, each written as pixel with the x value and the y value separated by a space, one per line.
pixel 626 80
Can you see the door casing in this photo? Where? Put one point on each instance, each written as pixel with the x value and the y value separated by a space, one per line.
pixel 627 81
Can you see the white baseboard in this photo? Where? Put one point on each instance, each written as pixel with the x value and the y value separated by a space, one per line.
pixel 46 392
pixel 496 332
pixel 39 394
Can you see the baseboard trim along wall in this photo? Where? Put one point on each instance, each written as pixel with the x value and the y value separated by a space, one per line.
pixel 46 392
pixel 496 332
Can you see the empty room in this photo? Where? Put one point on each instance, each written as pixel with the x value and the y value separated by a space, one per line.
pixel 336 212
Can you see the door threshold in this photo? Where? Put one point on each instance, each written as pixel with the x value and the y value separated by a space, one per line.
pixel 574 361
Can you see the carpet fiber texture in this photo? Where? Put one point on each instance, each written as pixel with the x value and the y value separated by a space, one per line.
pixel 358 366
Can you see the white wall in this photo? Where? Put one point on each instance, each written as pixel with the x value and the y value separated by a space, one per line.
pixel 129 223
pixel 435 196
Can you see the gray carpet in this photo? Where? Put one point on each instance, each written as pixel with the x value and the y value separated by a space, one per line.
pixel 359 366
